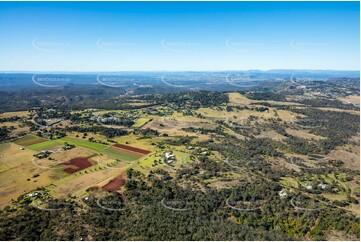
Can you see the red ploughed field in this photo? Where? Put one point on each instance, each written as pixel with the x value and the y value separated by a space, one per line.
pixel 134 149
pixel 77 164
pixel 114 184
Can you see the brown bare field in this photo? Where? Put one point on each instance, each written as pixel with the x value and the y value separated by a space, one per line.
pixel 133 149
pixel 115 184
pixel 76 164
pixel 77 184
pixel 66 155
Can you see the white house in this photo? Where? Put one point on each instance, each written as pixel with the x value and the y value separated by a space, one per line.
pixel 282 193
pixel 169 158
pixel 309 187
pixel 322 186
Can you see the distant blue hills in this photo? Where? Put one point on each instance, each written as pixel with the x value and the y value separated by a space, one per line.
pixel 13 81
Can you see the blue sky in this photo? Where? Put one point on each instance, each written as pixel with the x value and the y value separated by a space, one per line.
pixel 176 36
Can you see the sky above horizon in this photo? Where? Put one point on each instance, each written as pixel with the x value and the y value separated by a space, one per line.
pixel 179 36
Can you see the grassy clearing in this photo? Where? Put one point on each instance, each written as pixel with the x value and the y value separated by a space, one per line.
pixel 172 125
pixel 140 121
pixel 238 99
pixel 148 161
pixel 44 145
pixel 289 182
pixel 334 197
pixel 339 110
pixel 304 134
pixel 19 128
pixel 182 158
pixel 351 159
pixel 11 114
pixel 351 99
pixel 272 135
pixel 29 140
pixel 83 143
pixel 12 156
pixel 120 154
pixel 133 140
pixel 16 168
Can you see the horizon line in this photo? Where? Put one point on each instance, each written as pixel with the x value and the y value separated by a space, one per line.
pixel 260 70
